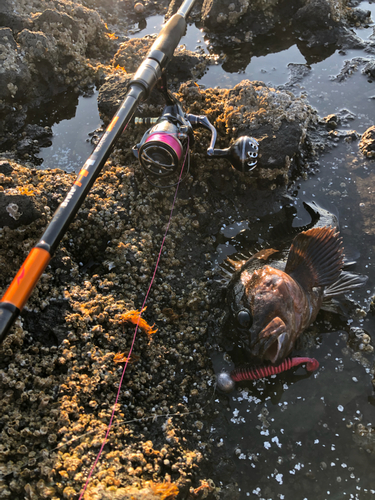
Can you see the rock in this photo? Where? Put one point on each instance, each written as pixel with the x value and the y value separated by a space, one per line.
pixel 50 327
pixel 184 65
pixel 5 167
pixel 131 53
pixel 331 121
pixel 139 8
pixel 276 118
pixel 359 16
pixel 219 14
pixel 14 73
pixel 42 55
pixel 367 142
pixel 10 19
pixel 342 117
pixel 317 24
pixel 314 15
pixel 369 69
pixel 34 138
pixel 112 93
pixel 17 210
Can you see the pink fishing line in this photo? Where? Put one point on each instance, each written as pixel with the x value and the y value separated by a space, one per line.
pixel 135 331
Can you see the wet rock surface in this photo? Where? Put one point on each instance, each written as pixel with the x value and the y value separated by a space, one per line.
pixel 58 364
pixel 317 25
pixel 367 143
pixel 62 362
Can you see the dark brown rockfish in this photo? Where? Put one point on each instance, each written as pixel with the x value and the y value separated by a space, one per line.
pixel 272 305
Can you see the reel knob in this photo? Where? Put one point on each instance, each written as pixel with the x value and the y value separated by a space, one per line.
pixel 242 154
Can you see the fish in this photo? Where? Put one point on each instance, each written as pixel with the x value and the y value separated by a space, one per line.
pixel 274 295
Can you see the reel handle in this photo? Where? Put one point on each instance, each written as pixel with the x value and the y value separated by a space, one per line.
pixel 242 154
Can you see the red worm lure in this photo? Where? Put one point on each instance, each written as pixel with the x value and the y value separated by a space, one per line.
pixel 241 374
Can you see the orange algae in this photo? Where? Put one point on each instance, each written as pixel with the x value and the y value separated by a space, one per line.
pixel 25 190
pixel 205 488
pixel 121 358
pixel 166 490
pixel 121 68
pixel 135 318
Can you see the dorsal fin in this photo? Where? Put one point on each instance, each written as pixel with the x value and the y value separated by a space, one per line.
pixel 237 261
pixel 316 257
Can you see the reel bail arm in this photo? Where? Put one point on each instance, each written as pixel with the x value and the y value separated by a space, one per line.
pixel 242 154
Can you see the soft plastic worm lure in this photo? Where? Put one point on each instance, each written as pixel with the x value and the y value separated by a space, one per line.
pixel 241 374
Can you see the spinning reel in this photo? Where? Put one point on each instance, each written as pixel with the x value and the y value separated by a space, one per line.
pixel 167 143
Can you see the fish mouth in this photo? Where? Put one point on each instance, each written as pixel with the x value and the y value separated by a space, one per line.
pixel 272 342
pixel 277 349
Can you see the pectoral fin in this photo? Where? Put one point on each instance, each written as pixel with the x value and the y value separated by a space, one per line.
pixel 344 284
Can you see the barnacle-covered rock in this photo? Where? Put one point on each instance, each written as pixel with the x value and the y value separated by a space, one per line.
pixel 367 142
pixel 276 118
pixel 45 50
pixel 62 361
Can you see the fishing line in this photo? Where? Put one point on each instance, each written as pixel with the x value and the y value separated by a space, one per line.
pixel 153 417
pixel 136 328
pixel 116 424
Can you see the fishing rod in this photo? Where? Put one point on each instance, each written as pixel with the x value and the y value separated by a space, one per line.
pixel 139 89
pixel 160 152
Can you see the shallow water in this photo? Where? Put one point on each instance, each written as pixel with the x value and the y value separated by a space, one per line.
pixel 293 436
pixel 71 143
pixel 299 438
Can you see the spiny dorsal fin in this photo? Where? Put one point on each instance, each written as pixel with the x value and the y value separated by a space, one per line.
pixel 234 263
pixel 316 257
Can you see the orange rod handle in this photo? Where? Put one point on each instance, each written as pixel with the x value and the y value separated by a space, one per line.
pixel 23 284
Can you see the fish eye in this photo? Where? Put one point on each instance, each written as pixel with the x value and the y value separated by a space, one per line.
pixel 244 319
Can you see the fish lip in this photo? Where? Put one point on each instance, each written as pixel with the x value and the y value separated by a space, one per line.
pixel 268 333
pixel 260 348
pixel 279 349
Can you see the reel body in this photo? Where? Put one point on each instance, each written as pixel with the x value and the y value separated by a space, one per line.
pixel 166 144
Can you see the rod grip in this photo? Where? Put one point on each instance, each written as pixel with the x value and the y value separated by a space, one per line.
pixel 21 287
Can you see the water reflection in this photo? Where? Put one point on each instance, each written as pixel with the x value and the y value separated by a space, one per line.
pixel 71 133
